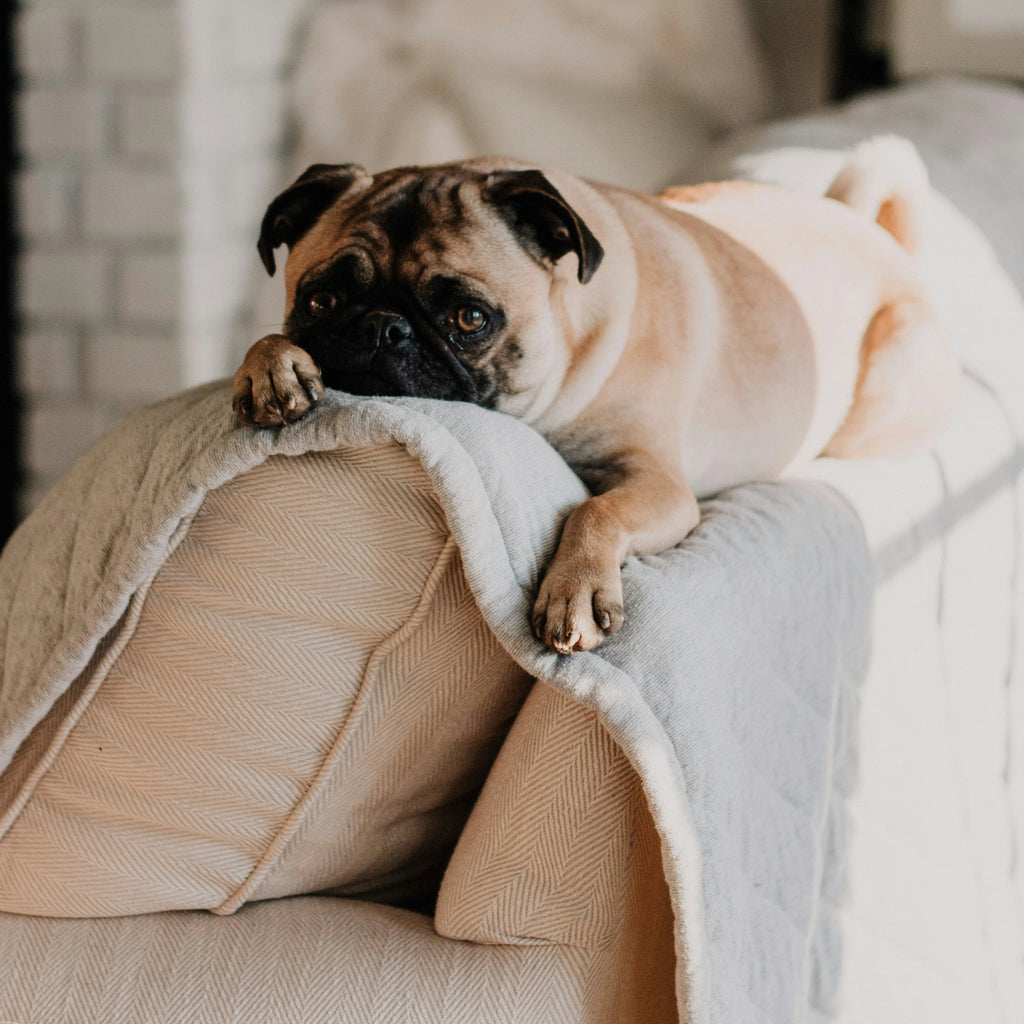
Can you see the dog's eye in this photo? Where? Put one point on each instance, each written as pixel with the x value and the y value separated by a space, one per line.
pixel 470 319
pixel 321 303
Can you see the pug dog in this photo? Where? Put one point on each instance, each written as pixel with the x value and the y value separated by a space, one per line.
pixel 667 346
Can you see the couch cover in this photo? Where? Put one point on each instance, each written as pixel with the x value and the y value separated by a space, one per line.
pixel 710 760
pixel 830 851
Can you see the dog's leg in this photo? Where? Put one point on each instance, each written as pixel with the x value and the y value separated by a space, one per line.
pixel 907 388
pixel 647 507
pixel 277 383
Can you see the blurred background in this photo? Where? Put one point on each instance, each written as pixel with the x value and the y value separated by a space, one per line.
pixel 145 138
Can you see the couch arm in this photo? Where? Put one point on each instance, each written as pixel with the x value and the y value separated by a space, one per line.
pixel 561 848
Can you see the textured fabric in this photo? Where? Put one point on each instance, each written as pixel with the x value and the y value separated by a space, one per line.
pixel 547 849
pixel 916 908
pixel 296 961
pixel 309 699
pixel 930 915
pixel 561 848
pixel 916 911
pixel 694 690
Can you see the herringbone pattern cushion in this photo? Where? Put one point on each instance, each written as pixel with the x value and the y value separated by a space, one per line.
pixel 308 960
pixel 306 699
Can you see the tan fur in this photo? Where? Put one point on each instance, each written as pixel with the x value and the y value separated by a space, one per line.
pixel 703 192
pixel 276 383
pixel 732 331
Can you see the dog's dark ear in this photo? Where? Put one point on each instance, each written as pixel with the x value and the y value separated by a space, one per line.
pixel 542 219
pixel 296 209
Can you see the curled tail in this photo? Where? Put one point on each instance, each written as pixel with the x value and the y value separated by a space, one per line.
pixel 885 179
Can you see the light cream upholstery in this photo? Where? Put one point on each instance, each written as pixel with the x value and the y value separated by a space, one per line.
pixel 591 941
pixel 554 906
pixel 295 961
pixel 308 699
pixel 561 848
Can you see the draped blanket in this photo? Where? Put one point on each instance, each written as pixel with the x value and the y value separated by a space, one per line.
pixel 731 688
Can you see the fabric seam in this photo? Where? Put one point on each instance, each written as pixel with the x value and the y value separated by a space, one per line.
pixel 129 622
pixel 299 809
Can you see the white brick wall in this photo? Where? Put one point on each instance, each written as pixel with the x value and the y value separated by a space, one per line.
pixel 256 35
pixel 99 215
pixel 45 204
pixel 64 120
pixel 149 132
pixel 125 204
pixel 131 42
pixel 149 287
pixel 48 364
pixel 147 123
pixel 132 367
pixel 46 44
pixel 232 129
pixel 50 426
pixel 67 284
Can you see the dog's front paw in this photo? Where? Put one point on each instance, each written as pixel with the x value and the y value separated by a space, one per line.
pixel 577 606
pixel 277 383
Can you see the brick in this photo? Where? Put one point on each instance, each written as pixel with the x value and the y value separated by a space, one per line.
pixel 65 121
pixel 149 287
pixel 122 204
pixel 57 432
pixel 45 41
pixel 131 366
pixel 48 363
pixel 147 123
pixel 67 283
pixel 126 42
pixel 46 204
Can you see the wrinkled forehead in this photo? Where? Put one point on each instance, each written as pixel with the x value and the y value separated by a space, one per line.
pixel 406 226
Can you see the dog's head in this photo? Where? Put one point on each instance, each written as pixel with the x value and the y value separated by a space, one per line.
pixel 441 282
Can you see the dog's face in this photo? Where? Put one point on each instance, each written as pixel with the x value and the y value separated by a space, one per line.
pixel 440 282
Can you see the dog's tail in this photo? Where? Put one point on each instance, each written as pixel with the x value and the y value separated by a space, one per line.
pixel 885 179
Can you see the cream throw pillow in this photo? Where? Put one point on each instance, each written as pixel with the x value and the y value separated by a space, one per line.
pixel 308 700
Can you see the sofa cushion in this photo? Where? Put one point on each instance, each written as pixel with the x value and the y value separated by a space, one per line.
pixel 308 960
pixel 306 698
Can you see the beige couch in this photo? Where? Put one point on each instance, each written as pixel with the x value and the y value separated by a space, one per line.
pixel 299 682
pixel 309 700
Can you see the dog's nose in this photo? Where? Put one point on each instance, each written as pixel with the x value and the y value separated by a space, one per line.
pixel 379 329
